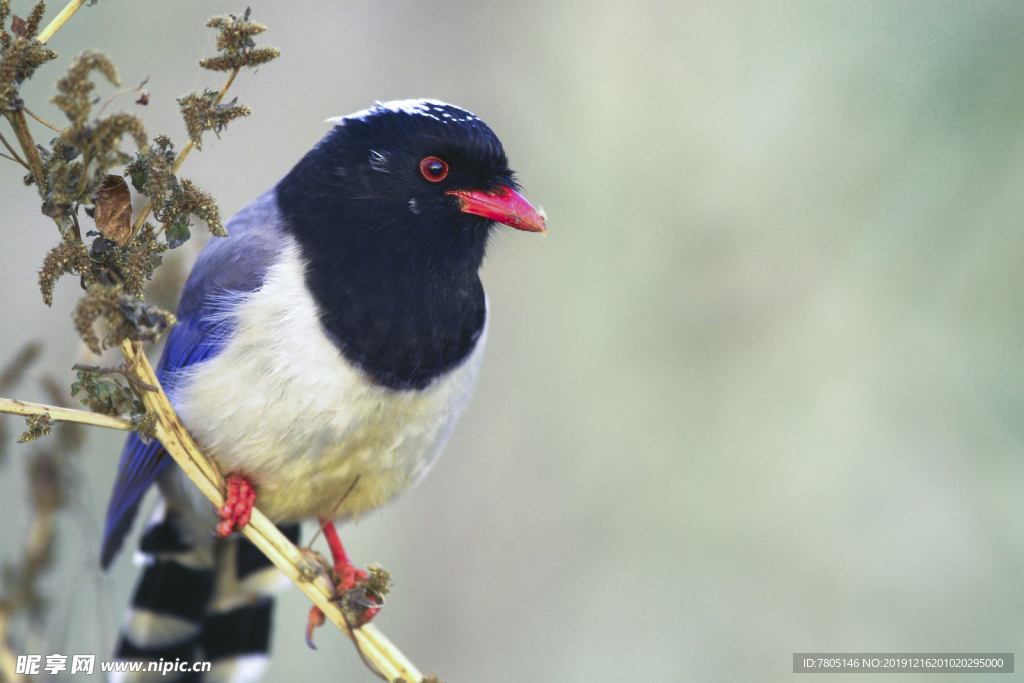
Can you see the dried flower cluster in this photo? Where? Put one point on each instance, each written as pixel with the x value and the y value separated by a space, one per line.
pixel 77 163
pixel 151 171
pixel 202 113
pixel 20 53
pixel 172 201
pixel 38 426
pixel 114 269
pixel 104 263
pixel 126 317
pixel 236 44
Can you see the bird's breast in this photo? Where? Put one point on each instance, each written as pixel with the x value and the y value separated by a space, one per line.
pixel 281 405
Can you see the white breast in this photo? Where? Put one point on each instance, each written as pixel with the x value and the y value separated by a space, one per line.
pixel 281 406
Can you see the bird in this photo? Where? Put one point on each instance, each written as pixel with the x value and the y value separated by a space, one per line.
pixel 322 355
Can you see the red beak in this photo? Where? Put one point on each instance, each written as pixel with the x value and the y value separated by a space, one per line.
pixel 504 205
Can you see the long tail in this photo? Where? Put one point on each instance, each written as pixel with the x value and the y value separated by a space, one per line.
pixel 202 609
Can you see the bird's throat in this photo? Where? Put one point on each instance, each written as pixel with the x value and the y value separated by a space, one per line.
pixel 404 331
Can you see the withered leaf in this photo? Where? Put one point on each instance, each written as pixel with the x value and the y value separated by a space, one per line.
pixel 19 26
pixel 114 209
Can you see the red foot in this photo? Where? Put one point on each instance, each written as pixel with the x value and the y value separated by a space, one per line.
pixel 349 578
pixel 348 575
pixel 237 506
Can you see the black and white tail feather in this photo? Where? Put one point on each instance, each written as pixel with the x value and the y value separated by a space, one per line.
pixel 199 599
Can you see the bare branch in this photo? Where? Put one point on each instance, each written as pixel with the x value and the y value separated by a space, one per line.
pixel 25 409
pixel 59 20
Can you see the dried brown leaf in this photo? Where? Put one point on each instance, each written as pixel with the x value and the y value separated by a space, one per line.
pixel 114 209
pixel 19 26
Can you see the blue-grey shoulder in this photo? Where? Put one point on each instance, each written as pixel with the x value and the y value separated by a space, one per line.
pixel 240 261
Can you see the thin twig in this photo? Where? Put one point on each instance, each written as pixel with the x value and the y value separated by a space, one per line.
pixel 59 20
pixel 124 91
pixel 26 409
pixel 326 520
pixel 11 150
pixel 41 119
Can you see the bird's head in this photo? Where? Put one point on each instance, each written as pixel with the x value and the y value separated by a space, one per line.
pixel 392 211
pixel 408 176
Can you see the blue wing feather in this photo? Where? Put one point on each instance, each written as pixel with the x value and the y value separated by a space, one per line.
pixel 225 267
pixel 141 462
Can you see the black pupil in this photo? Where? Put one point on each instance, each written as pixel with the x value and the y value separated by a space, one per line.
pixel 435 168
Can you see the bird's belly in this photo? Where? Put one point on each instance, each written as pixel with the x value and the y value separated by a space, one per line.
pixel 332 462
pixel 281 406
pixel 328 451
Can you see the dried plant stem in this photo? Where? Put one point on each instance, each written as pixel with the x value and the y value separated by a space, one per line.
pixel 41 120
pixel 59 20
pixel 144 213
pixel 25 409
pixel 11 150
pixel 296 565
pixel 28 145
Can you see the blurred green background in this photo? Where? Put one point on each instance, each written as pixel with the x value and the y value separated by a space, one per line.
pixel 758 392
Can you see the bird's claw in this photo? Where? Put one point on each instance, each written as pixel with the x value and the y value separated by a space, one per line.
pixel 237 508
pixel 358 597
pixel 349 577
pixel 316 620
pixel 357 604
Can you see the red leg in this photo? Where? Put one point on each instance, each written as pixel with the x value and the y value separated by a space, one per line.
pixel 343 566
pixel 241 496
pixel 349 578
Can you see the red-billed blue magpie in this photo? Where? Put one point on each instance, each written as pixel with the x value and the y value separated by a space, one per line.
pixel 323 353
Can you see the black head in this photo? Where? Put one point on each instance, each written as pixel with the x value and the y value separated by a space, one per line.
pixel 393 209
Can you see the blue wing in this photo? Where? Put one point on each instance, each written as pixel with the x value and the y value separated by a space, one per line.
pixel 141 462
pixel 225 267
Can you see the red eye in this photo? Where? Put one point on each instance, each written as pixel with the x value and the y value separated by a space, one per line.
pixel 433 169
